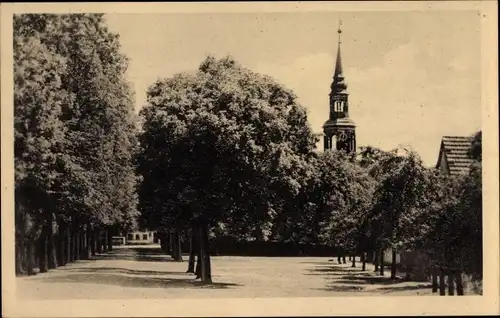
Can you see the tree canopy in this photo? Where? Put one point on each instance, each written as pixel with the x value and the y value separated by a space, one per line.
pixel 75 128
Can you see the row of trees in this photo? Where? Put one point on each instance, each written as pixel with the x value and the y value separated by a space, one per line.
pixel 75 139
pixel 228 152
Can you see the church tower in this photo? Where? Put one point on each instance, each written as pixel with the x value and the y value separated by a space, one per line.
pixel 339 130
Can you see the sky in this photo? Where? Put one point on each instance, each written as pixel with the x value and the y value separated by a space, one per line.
pixel 412 76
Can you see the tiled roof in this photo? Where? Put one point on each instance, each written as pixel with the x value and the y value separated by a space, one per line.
pixel 456 150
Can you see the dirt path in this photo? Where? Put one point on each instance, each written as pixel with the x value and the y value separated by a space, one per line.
pixel 146 273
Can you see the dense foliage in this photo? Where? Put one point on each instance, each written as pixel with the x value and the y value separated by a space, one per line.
pixel 75 135
pixel 227 136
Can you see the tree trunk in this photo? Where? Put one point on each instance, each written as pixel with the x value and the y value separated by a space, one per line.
pixel 164 242
pixel 451 285
pixel 20 257
pixel 71 239
pixel 61 245
pixel 93 243
pixel 83 244
pixel 67 247
pixel 207 254
pixel 78 242
pixel 460 286
pixel 369 256
pixel 353 258
pixel 84 248
pixel 104 239
pixel 35 254
pixel 442 285
pixel 98 242
pixel 20 241
pixel 42 251
pixel 363 261
pixel 171 242
pixel 408 268
pixel 381 262
pixel 197 270
pixel 52 248
pixel 88 242
pixel 343 260
pixel 434 279
pixel 376 260
pixel 393 264
pixel 30 258
pixel 110 239
pixel 339 259
pixel 178 246
pixel 206 276
pixel 192 250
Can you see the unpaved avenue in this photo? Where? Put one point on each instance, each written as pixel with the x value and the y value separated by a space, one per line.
pixel 145 273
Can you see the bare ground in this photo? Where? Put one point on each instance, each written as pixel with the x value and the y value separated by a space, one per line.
pixel 145 273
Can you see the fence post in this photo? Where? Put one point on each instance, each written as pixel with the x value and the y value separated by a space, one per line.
pixel 442 286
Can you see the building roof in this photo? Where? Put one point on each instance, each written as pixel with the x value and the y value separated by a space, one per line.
pixel 339 122
pixel 455 150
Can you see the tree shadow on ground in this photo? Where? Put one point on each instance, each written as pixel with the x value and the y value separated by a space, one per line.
pixel 317 263
pixel 136 257
pixel 337 271
pixel 369 280
pixel 135 281
pixel 402 288
pixel 341 288
pixel 347 279
pixel 146 254
pixel 122 271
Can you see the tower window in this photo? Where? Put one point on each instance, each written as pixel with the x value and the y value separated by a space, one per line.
pixel 338 106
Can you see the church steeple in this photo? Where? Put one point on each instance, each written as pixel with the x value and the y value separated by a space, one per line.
pixel 339 125
pixel 338 84
pixel 338 63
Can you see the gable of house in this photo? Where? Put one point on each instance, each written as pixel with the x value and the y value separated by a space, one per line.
pixel 442 164
pixel 454 156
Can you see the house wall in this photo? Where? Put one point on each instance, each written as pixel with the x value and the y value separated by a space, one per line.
pixel 420 263
pixel 388 256
pixel 138 237
pixel 443 164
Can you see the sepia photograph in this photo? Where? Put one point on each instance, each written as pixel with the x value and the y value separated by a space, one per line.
pixel 212 154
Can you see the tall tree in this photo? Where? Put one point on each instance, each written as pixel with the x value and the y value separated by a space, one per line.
pixel 209 147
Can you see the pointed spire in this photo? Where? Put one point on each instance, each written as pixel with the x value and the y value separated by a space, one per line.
pixel 338 63
pixel 338 85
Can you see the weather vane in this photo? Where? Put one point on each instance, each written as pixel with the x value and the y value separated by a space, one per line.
pixel 339 31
